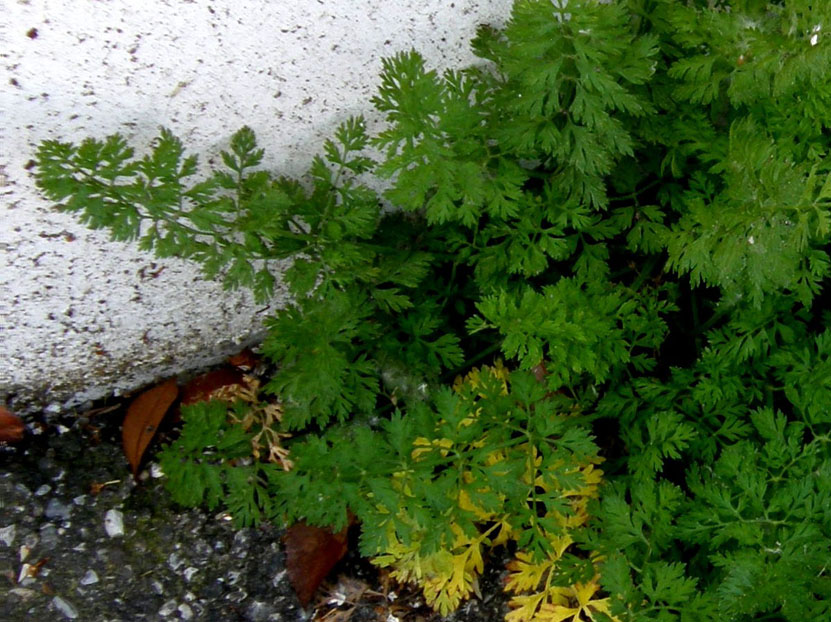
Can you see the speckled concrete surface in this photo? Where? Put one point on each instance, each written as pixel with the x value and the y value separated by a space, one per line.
pixel 80 316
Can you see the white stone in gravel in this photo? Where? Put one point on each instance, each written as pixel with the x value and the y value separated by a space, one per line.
pixel 157 586
pixel 80 500
pixel 57 509
pixel 156 471
pixel 185 612
pixel 189 572
pixel 258 612
pixel 49 535
pixel 278 578
pixel 43 490
pixel 168 608
pixel 237 596
pixel 22 489
pixel 89 578
pixel 174 561
pixel 114 523
pixel 23 592
pixel 65 607
pixel 24 573
pixel 7 534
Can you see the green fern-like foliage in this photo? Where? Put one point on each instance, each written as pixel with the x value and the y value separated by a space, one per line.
pixel 204 466
pixel 629 202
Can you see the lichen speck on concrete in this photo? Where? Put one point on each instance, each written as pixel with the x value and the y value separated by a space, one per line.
pixel 80 316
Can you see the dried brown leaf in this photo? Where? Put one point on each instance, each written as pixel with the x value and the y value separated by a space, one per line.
pixel 200 388
pixel 11 427
pixel 311 553
pixel 143 418
pixel 245 360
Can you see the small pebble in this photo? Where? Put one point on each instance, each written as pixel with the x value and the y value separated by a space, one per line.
pixel 237 596
pixel 23 592
pixel 114 523
pixel 22 490
pixel 55 509
pixel 240 547
pixel 168 608
pixel 258 611
pixel 189 572
pixel 49 535
pixel 65 608
pixel 7 534
pixel 25 573
pixel 202 549
pixel 185 612
pixel 175 562
pixel 43 490
pixel 89 578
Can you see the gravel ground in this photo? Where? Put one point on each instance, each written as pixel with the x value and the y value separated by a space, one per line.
pixel 80 540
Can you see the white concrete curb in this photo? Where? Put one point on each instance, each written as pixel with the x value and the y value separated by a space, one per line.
pixel 81 317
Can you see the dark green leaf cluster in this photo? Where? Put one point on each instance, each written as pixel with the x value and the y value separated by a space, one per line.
pixel 631 202
pixel 589 331
pixel 739 537
pixel 726 477
pixel 210 464
pixel 237 222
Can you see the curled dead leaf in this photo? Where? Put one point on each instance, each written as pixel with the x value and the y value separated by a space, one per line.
pixel 12 429
pixel 200 388
pixel 244 361
pixel 311 553
pixel 34 569
pixel 142 420
pixel 96 487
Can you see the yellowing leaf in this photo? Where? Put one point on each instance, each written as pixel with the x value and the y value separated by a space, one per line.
pixel 450 575
pixel 524 607
pixel 581 605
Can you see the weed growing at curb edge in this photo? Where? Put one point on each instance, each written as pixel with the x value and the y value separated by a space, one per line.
pixel 628 204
